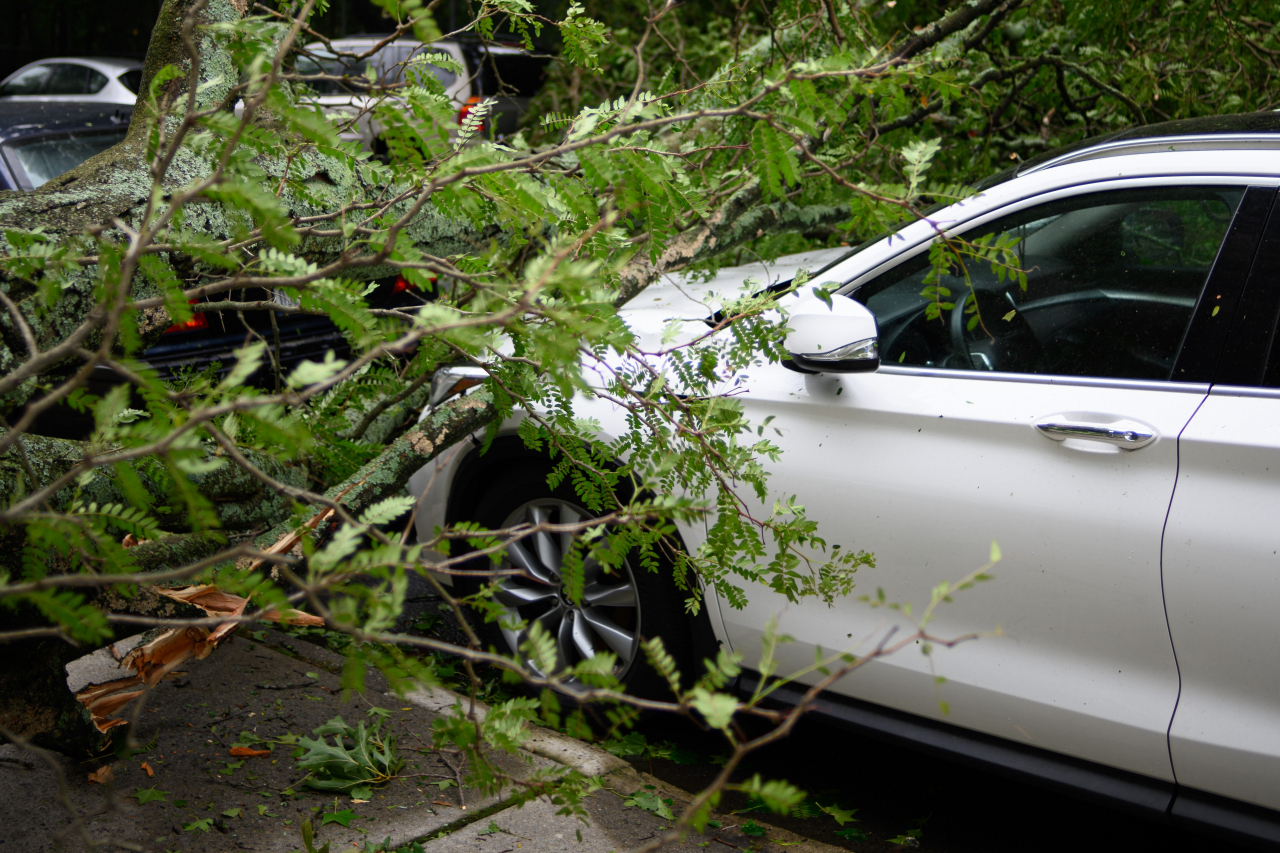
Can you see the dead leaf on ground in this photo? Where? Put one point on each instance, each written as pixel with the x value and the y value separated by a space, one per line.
pixel 147 767
pixel 238 751
pixel 102 775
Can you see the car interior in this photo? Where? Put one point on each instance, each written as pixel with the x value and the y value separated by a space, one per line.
pixel 1112 280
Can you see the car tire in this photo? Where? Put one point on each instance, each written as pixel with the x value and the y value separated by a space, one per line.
pixel 616 613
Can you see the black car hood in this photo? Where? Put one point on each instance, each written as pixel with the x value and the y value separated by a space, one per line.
pixel 34 118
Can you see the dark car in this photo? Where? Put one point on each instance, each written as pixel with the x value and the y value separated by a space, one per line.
pixel 212 337
pixel 510 75
pixel 39 140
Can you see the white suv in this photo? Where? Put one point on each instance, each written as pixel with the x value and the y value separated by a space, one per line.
pixel 1113 427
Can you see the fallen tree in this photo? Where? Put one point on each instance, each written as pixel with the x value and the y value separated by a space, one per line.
pixel 815 124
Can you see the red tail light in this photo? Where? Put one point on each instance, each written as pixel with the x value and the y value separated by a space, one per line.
pixel 197 321
pixel 402 284
pixel 470 105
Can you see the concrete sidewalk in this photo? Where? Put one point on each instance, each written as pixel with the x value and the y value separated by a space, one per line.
pixel 212 801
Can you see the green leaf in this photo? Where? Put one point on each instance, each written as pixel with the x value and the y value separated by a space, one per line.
pixel 357 756
pixel 634 743
pixel 150 795
pixel 753 829
pixel 198 825
pixel 308 839
pixel 842 816
pixel 311 372
pixel 716 708
pixel 387 510
pixel 343 817
pixel 231 813
pixel 248 360
pixel 491 829
pixel 650 801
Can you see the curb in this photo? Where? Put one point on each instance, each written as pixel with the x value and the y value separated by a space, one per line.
pixel 620 778
pixel 588 759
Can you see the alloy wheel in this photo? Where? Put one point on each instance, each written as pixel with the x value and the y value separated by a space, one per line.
pixel 606 619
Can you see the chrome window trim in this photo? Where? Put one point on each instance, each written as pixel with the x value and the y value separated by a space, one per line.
pixel 1049 379
pixel 1243 391
pixel 1100 184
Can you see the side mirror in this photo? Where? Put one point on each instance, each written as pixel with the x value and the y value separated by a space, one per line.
pixel 454 379
pixel 842 338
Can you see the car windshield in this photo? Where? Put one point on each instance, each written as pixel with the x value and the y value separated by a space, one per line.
pixel 41 160
pixel 356 72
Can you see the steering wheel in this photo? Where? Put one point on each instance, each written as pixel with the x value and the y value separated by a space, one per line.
pixel 1008 343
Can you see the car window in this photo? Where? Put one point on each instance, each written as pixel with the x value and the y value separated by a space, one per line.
pixel 131 80
pixel 405 57
pixel 514 74
pixel 66 79
pixel 26 82
pixel 334 67
pixel 1111 282
pixel 96 81
pixel 37 161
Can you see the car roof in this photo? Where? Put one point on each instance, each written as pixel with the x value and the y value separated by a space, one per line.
pixel 369 39
pixel 109 64
pixel 1227 132
pixel 372 39
pixel 20 119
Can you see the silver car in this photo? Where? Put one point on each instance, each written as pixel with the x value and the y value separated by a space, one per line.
pixel 75 78
pixel 348 102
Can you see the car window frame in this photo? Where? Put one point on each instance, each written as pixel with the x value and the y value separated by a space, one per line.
pixel 1194 382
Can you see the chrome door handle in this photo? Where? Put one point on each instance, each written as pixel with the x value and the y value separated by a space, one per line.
pixel 1128 435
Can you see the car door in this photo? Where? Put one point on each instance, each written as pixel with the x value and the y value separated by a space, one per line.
pixel 1221 562
pixel 1049 427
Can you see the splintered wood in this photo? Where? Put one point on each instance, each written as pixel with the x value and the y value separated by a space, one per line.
pixel 154 660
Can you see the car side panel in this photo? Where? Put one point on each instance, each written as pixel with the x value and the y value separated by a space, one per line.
pixel 1222 590
pixel 926 471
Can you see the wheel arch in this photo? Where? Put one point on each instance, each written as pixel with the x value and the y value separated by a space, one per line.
pixel 476 472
